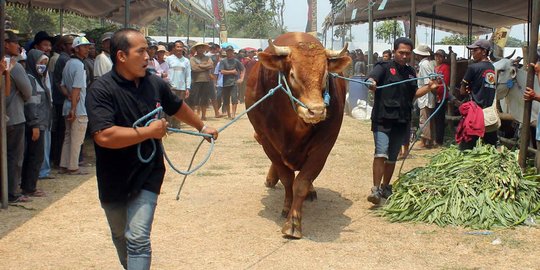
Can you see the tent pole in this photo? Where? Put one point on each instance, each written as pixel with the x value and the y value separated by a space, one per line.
pixel 413 26
pixel 61 22
pixel 370 36
pixel 533 58
pixel 188 28
pixel 204 32
pixel 126 15
pixel 168 18
pixel 3 143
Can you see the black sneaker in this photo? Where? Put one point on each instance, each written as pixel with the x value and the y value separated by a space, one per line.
pixel 386 191
pixel 375 196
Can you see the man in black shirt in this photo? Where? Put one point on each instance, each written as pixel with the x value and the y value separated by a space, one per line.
pixel 128 188
pixel 479 83
pixel 392 113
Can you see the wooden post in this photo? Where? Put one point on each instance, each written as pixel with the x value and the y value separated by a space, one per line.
pixel 533 58
pixel 370 37
pixel 412 32
pixel 168 19
pixel 3 139
pixel 126 14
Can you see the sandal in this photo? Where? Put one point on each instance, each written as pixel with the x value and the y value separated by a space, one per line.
pixel 35 193
pixel 20 199
pixel 77 172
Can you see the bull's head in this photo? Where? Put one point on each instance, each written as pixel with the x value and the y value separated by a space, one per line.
pixel 306 67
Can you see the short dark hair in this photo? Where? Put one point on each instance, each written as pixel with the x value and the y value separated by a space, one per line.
pixel 403 40
pixel 179 41
pixel 387 52
pixel 120 42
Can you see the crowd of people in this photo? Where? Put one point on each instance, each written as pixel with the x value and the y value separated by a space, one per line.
pixel 47 87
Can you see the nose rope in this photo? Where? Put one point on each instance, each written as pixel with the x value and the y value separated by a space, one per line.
pixel 285 87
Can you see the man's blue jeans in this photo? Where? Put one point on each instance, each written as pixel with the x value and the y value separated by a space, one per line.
pixel 131 224
pixel 46 167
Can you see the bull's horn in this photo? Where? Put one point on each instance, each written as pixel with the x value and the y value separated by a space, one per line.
pixel 510 56
pixel 334 54
pixel 278 50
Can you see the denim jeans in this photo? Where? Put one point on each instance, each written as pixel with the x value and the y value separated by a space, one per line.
pixel 131 224
pixel 46 166
pixel 388 144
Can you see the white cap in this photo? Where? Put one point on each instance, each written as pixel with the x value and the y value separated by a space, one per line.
pixel 78 41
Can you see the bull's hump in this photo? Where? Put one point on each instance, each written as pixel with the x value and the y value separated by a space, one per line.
pixel 293 38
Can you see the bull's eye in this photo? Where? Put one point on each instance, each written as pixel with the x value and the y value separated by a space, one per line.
pixel 292 76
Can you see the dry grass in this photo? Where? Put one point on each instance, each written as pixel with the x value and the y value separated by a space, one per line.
pixel 227 219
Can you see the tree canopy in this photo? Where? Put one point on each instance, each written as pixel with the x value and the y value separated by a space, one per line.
pixel 388 31
pixel 255 18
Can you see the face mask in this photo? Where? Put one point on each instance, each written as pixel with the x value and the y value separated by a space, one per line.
pixel 41 68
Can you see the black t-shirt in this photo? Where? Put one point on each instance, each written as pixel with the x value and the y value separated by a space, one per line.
pixel 115 101
pixel 392 105
pixel 480 77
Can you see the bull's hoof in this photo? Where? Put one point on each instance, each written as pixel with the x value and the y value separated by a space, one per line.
pixel 292 228
pixel 285 213
pixel 312 195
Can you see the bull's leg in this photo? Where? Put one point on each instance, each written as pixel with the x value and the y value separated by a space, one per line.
pixel 272 177
pixel 287 178
pixel 293 225
pixel 312 194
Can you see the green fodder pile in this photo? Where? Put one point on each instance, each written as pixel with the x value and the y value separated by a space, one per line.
pixel 480 188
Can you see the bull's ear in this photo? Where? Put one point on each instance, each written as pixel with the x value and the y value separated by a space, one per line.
pixel 271 61
pixel 338 64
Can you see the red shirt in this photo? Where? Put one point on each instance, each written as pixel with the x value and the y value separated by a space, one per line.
pixel 443 69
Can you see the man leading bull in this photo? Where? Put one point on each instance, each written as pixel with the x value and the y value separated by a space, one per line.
pixel 392 113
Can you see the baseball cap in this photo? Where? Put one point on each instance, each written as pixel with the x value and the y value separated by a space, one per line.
pixel 10 36
pixel 106 35
pixel 229 48
pixel 481 43
pixel 422 50
pixel 161 48
pixel 78 41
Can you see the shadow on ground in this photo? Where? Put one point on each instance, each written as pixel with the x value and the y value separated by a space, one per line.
pixel 18 214
pixel 323 220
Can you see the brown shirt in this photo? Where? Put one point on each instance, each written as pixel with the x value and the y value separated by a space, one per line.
pixel 200 68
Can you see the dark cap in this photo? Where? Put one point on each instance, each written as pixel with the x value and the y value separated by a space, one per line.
pixel 41 36
pixel 481 43
pixel 10 36
pixel 229 48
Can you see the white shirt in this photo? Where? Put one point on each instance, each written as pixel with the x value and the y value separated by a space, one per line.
pixel 426 67
pixel 102 64
pixel 179 72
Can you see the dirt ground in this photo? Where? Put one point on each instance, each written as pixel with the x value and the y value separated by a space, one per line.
pixel 227 219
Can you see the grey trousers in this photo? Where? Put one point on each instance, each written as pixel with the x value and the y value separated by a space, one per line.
pixel 15 155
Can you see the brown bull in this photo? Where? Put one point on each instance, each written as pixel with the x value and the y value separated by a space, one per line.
pixel 296 140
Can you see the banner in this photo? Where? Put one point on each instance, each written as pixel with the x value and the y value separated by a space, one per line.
pixel 219 13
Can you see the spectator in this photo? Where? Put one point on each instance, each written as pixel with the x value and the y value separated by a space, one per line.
pixel 20 92
pixel 360 65
pixel 426 103
pixel 103 63
pixel 218 82
pixel 74 88
pixel 443 69
pixel 179 71
pixel 161 51
pixel 65 45
pixel 387 55
pixel 38 117
pixel 129 188
pixel 89 64
pixel 479 84
pixel 233 75
pixel 201 66
pixel 153 65
pixel 43 42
